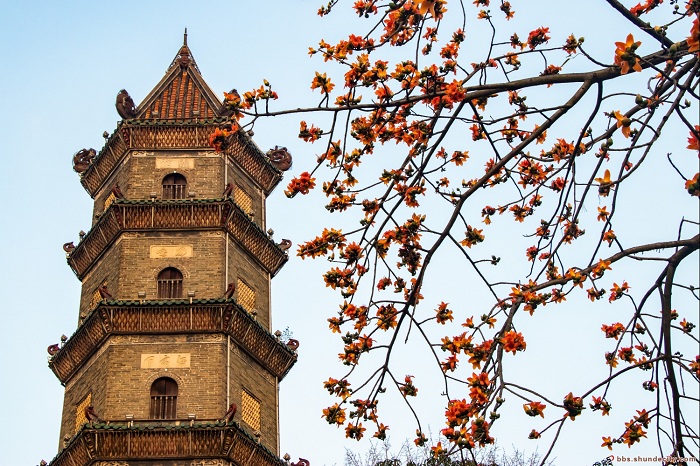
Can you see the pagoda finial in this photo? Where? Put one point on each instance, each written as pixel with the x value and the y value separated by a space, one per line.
pixel 184 54
pixel 184 58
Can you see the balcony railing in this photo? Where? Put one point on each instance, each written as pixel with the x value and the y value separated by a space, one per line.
pixel 172 317
pixel 169 134
pixel 145 441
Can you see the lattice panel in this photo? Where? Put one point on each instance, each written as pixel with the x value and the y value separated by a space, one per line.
pixel 206 216
pixel 243 200
pixel 116 443
pixel 207 318
pixel 202 444
pixel 76 456
pixel 241 448
pixel 125 321
pixel 107 447
pixel 93 333
pixel 109 227
pixel 171 216
pixel 176 215
pixel 110 199
pixel 80 417
pixel 103 164
pixel 168 319
pixel 165 137
pixel 137 216
pixel 250 410
pixel 246 295
pixel 164 319
pixel 94 243
pixel 96 298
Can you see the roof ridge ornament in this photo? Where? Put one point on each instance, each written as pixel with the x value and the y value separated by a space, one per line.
pixel 125 105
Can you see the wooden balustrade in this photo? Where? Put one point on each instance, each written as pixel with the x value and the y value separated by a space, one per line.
pixel 144 441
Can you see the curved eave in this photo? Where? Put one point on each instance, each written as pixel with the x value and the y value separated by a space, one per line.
pixel 160 134
pixel 243 151
pixel 146 318
pixel 189 215
pixel 141 441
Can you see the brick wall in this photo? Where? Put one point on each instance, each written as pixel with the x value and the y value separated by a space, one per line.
pixel 77 389
pixel 248 375
pixel 107 270
pixel 202 272
pixel 243 267
pixel 245 182
pixel 120 386
pixel 121 177
pixel 203 171
pixel 128 268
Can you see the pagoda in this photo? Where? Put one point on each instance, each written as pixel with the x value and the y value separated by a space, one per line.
pixel 174 362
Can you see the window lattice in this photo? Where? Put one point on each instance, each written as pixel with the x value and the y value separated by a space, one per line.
pixel 170 284
pixel 246 295
pixel 110 199
pixel 80 417
pixel 174 186
pixel 243 200
pixel 250 412
pixel 163 399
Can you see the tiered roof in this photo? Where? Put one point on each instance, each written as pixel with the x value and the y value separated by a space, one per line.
pixel 183 317
pixel 188 214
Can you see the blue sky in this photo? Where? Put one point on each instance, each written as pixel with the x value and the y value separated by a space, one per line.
pixel 63 63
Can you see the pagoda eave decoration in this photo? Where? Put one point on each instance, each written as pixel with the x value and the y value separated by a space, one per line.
pixel 184 317
pixel 146 441
pixel 162 134
pixel 192 214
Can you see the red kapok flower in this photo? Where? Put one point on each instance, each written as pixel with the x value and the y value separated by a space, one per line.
pixel 625 56
pixel 693 185
pixel 534 408
pixel 624 123
pixel 694 38
pixel 693 142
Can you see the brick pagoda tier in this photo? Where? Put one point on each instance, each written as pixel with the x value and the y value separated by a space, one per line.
pixel 174 330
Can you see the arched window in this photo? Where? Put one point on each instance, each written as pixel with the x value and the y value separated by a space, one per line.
pixel 174 186
pixel 170 284
pixel 163 399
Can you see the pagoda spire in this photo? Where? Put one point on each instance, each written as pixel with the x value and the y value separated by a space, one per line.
pixel 184 57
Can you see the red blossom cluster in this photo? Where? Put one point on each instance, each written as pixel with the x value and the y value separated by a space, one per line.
pixel 301 184
pixel 458 123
